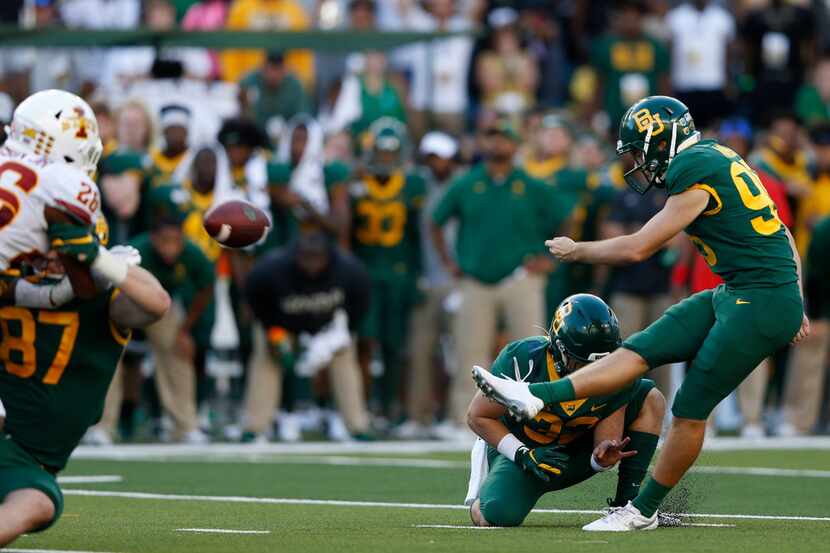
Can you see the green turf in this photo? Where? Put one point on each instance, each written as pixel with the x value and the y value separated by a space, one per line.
pixel 148 526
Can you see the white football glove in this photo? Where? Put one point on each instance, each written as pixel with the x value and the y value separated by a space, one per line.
pixel 127 254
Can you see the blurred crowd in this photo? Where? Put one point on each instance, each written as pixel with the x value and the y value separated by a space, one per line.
pixel 411 190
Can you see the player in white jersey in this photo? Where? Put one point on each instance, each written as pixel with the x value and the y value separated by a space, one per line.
pixel 47 195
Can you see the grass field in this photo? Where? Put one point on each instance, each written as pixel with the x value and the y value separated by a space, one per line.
pixel 371 500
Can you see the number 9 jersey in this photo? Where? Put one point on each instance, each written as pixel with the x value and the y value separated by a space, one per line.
pixel 28 185
pixel 739 233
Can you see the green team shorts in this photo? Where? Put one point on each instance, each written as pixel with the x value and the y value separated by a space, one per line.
pixel 723 334
pixel 20 471
pixel 389 309
pixel 508 494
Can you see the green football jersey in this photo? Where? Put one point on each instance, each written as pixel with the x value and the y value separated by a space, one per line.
pixel 386 235
pixel 739 234
pixel 55 370
pixel 531 360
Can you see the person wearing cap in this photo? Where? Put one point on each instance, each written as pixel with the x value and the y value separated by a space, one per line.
pixel 174 120
pixel 188 276
pixel 499 263
pixel 429 320
pixel 386 201
pixel 506 73
pixel 629 63
pixel 272 93
pixel 311 298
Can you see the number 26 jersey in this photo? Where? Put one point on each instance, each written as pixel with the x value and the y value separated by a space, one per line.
pixel 27 186
pixel 739 233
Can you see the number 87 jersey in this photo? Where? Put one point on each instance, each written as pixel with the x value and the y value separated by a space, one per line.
pixel 29 185
pixel 739 233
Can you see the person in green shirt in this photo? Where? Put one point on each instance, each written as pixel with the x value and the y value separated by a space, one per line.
pixel 386 204
pixel 724 333
pixel 629 63
pixel 500 260
pixel 304 188
pixel 175 127
pixel 188 276
pixel 812 103
pixel 271 95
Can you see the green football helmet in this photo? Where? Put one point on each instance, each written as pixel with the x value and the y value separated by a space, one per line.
pixel 388 147
pixel 583 330
pixel 652 131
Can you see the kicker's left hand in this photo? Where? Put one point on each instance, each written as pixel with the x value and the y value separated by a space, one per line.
pixel 562 247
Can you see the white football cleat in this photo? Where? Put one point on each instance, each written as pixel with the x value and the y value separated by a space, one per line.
pixel 623 519
pixel 514 395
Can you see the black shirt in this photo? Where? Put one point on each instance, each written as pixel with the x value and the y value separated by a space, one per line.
pixel 282 295
pixel 652 276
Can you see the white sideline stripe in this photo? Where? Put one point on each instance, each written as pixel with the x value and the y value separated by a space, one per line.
pixel 342 460
pixel 221 531
pixel 458 526
pixel 93 479
pixel 136 451
pixel 49 551
pixel 707 525
pixel 344 503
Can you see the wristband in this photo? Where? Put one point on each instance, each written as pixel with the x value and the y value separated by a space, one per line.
pixel 509 445
pixel 597 467
pixel 110 267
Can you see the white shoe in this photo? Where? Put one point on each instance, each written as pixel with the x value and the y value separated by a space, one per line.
pixel 97 436
pixel 289 428
pixel 515 395
pixel 336 430
pixel 450 432
pixel 195 437
pixel 788 430
pixel 753 432
pixel 411 430
pixel 623 519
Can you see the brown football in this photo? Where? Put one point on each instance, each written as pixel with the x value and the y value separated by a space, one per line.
pixel 236 223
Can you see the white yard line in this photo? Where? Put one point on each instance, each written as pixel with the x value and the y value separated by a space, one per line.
pixel 135 451
pixel 707 525
pixel 221 531
pixel 385 504
pixel 48 551
pixel 92 479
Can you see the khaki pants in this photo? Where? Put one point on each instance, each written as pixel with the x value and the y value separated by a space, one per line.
pixel 637 312
pixel 175 375
pixel 264 389
pixel 426 328
pixel 753 392
pixel 520 297
pixel 112 403
pixel 805 379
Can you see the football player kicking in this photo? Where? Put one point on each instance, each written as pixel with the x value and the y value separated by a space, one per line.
pixel 55 370
pixel 723 333
pixel 566 442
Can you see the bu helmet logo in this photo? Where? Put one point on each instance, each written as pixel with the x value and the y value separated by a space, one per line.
pixel 645 120
pixel 559 319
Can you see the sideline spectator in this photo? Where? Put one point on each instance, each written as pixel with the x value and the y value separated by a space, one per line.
pixel 188 276
pixel 812 104
pixel 438 152
pixel 506 73
pixel 310 298
pixel 208 15
pixel 702 33
pixel 267 15
pixel 629 63
pixel 504 217
pixel 271 95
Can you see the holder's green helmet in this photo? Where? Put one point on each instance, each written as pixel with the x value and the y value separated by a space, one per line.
pixel 583 329
pixel 651 132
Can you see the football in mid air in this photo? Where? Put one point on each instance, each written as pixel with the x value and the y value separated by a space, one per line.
pixel 236 223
